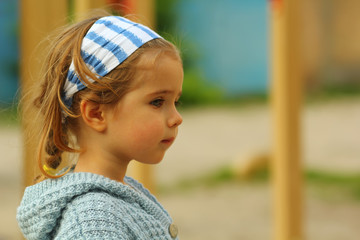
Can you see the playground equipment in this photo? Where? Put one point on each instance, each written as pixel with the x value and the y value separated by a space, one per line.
pixel 286 95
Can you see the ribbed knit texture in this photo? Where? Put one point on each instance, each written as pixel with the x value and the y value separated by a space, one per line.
pixel 90 206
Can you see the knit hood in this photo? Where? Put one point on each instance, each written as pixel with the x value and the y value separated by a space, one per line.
pixel 42 205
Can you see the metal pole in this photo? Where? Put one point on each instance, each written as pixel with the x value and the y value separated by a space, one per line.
pixel 286 94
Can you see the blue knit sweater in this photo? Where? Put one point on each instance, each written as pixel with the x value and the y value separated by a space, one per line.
pixel 90 206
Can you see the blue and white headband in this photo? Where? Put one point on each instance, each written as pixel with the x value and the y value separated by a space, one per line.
pixel 109 42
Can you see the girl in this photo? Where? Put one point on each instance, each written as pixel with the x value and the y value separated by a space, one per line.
pixel 109 94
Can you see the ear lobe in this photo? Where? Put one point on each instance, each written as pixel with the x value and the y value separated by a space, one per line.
pixel 93 115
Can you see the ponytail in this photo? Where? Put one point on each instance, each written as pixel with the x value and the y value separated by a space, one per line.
pixel 54 138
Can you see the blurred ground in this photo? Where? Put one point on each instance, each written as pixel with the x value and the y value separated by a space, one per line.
pixel 211 138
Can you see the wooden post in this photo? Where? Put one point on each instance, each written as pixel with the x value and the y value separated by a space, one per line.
pixel 287 86
pixel 38 19
pixel 83 7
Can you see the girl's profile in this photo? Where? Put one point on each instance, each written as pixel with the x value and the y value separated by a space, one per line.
pixel 108 96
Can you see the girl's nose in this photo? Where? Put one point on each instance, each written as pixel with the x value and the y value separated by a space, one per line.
pixel 175 119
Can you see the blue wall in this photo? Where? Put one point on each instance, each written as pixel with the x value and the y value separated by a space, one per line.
pixel 231 40
pixel 9 52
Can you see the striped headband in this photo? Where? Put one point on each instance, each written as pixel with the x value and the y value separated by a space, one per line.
pixel 109 42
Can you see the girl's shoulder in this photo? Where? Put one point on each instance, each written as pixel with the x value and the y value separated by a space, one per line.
pixel 96 215
pixel 79 195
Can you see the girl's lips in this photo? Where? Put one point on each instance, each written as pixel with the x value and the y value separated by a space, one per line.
pixel 168 140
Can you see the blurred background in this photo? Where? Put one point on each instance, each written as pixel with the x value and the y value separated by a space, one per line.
pixel 215 180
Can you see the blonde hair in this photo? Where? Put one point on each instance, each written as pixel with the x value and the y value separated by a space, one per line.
pixel 59 136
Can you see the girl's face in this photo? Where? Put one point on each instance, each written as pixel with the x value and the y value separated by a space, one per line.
pixel 145 122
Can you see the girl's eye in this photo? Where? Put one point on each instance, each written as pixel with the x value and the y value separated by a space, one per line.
pixel 157 102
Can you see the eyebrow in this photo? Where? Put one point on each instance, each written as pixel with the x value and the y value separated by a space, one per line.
pixel 163 92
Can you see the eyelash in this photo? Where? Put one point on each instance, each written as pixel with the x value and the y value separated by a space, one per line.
pixel 159 102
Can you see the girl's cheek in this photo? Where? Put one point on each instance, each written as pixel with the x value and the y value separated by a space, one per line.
pixel 147 132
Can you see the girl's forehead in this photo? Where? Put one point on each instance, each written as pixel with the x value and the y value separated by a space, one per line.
pixel 151 70
pixel 167 73
pixel 152 58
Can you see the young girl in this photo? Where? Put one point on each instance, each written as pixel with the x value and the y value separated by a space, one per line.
pixel 109 94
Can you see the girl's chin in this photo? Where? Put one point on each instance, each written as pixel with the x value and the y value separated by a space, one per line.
pixel 151 161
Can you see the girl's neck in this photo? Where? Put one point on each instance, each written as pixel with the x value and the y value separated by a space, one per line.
pixel 97 163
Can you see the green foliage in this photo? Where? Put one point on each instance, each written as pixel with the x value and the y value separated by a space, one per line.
pixel 327 185
pixel 197 91
pixel 261 175
pixel 210 179
pixel 222 175
pixel 166 15
pixel 334 91
pixel 9 116
pixel 334 184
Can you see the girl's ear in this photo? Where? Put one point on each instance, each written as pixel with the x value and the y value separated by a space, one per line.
pixel 93 115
